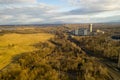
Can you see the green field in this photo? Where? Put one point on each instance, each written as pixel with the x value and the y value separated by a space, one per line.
pixel 13 44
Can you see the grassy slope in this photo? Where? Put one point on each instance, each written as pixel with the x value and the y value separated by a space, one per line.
pixel 12 44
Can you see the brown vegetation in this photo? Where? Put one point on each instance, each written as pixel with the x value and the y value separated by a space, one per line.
pixel 58 59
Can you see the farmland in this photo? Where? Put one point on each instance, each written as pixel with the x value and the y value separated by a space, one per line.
pixel 13 43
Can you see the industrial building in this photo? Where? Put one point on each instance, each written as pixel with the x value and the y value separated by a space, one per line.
pixel 82 31
pixel 86 31
pixel 100 31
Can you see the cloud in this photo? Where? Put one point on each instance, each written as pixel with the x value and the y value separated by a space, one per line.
pixel 104 4
pixel 28 14
pixel 17 1
pixel 86 19
pixel 94 6
pixel 32 12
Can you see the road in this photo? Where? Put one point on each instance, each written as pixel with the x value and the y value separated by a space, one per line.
pixel 113 71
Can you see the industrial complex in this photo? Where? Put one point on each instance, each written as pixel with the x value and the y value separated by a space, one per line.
pixel 82 31
pixel 85 31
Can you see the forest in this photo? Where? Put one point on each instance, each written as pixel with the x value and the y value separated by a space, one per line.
pixel 101 45
pixel 60 58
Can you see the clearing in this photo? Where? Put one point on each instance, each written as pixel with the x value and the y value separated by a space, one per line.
pixel 13 44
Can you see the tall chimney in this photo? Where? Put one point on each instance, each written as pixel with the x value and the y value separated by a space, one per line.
pixel 90 27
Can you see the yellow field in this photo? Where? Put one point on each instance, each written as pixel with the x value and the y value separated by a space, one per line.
pixel 13 44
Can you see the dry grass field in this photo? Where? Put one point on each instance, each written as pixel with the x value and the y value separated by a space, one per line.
pixel 13 44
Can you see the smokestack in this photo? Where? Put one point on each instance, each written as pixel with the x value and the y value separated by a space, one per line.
pixel 90 27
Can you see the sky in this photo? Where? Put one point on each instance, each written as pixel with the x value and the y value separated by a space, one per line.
pixel 14 12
